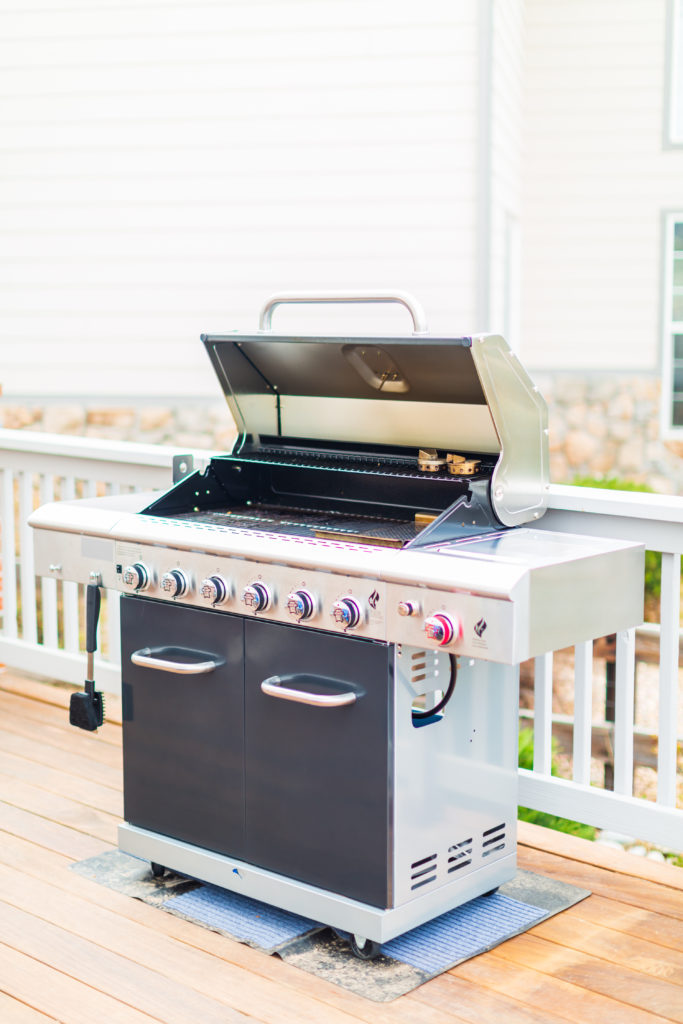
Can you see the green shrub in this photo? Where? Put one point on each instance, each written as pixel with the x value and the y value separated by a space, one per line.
pixel 526 760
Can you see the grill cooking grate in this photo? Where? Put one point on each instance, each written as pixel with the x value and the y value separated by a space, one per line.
pixel 303 522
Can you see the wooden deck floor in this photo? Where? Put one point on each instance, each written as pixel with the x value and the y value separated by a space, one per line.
pixel 74 951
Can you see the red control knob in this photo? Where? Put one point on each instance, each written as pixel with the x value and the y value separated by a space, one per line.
pixel 441 628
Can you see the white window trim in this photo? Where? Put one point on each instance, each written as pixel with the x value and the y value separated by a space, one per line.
pixel 669 328
pixel 674 74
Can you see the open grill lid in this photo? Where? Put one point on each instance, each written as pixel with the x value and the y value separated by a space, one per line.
pixel 467 395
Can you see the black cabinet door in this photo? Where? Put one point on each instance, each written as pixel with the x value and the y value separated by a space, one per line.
pixel 183 734
pixel 317 778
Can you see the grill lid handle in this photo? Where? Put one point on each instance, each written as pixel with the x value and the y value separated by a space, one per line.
pixel 311 298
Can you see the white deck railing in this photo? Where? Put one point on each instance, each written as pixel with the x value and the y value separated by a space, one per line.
pixel 42 621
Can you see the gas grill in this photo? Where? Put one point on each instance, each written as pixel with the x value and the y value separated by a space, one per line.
pixel 320 632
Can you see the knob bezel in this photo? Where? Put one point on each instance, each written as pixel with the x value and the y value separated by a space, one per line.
pixel 143 574
pixel 175 583
pixel 219 590
pixel 450 625
pixel 261 597
pixel 347 612
pixel 301 604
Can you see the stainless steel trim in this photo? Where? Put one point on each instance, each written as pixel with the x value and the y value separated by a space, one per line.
pixel 288 298
pixel 146 658
pixel 273 688
pixel 521 478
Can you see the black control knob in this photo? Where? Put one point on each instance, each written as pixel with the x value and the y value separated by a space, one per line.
pixel 347 612
pixel 175 583
pixel 301 604
pixel 137 576
pixel 215 589
pixel 257 596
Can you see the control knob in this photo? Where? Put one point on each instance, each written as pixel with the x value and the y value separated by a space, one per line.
pixel 215 589
pixel 175 583
pixel 347 612
pixel 137 576
pixel 257 596
pixel 301 604
pixel 442 628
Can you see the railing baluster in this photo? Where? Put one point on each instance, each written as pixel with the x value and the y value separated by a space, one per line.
pixel 624 712
pixel 113 624
pixel 9 574
pixel 29 624
pixel 543 708
pixel 48 587
pixel 70 590
pixel 583 708
pixel 668 677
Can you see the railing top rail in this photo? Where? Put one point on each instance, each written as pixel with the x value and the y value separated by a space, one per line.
pixel 630 504
pixel 70 446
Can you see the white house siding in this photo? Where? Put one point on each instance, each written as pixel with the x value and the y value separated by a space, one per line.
pixel 506 85
pixel 597 178
pixel 164 167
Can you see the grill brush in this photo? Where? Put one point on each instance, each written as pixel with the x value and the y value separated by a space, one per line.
pixel 86 709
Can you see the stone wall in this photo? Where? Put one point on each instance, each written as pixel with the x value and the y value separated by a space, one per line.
pixel 182 424
pixel 607 425
pixel 600 425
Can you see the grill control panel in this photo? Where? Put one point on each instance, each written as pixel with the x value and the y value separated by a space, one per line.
pixel 428 617
pixel 306 598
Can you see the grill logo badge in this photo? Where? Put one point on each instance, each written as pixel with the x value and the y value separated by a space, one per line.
pixel 480 627
pixel 373 600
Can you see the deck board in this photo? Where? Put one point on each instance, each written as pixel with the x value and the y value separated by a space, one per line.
pixel 73 951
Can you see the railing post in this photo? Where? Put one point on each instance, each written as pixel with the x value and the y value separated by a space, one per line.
pixel 670 605
pixel 9 560
pixel 583 712
pixel 543 710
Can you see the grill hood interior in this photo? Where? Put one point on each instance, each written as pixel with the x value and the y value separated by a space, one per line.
pixel 468 395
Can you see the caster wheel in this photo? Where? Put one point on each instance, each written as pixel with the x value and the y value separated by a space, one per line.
pixel 158 870
pixel 364 949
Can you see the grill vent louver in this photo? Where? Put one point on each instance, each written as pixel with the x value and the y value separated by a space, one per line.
pixel 460 855
pixel 493 840
pixel 423 871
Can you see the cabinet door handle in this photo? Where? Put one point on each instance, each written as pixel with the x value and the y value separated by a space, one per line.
pixel 153 657
pixel 273 687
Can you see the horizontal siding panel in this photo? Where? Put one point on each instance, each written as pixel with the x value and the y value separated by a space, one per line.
pixel 66 85
pixel 285 189
pixel 89 17
pixel 312 101
pixel 561 14
pixel 254 216
pixel 257 216
pixel 266 134
pixel 432 156
pixel 345 40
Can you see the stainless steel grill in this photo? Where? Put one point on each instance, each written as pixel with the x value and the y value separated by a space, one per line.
pixel 320 632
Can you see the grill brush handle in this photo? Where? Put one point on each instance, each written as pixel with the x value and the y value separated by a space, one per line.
pixel 86 708
pixel 153 657
pixel 273 687
pixel 313 298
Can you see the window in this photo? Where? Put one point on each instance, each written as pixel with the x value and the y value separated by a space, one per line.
pixel 673 319
pixel 676 68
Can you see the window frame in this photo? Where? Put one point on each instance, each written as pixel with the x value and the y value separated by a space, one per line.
pixel 674 75
pixel 670 326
